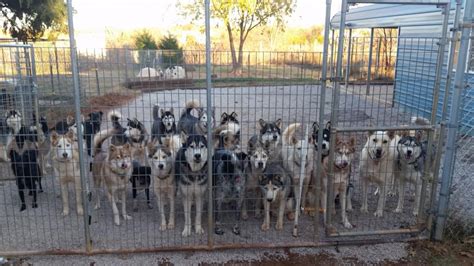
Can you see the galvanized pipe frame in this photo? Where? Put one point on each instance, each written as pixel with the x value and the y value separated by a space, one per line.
pixel 445 4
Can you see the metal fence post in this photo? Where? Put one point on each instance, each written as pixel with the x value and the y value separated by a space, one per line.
pixel 454 41
pixel 210 210
pixel 77 103
pixel 348 65
pixel 453 123
pixel 369 67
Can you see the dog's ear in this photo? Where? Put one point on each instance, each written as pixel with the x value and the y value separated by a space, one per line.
pixel 126 146
pixel 70 120
pixel 112 148
pixel 70 134
pixel 370 133
pixel 262 123
pixel 54 138
pixel 352 141
pixel 279 122
pixel 391 134
pixel 328 125
pixel 315 126
pixel 162 112
pixel 167 142
pixel 183 136
pixel 418 134
pixel 234 115
pixel 224 115
pixel 171 110
pixel 404 133
pixel 311 139
pixel 151 148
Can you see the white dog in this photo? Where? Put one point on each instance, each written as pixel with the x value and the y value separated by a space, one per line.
pixel 150 72
pixel 175 72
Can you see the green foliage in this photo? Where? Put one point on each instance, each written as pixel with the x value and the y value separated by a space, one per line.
pixel 144 41
pixel 172 52
pixel 30 19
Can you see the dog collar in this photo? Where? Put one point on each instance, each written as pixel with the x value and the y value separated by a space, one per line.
pixel 119 172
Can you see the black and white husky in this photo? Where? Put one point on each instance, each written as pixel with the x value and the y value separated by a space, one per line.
pixel 326 138
pixel 193 119
pixel 164 123
pixel 191 178
pixel 229 184
pixel 269 135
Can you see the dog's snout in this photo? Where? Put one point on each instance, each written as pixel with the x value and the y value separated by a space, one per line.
pixel 324 145
pixel 409 152
pixel 65 155
pixel 269 200
pixel 345 163
pixel 197 156
pixel 378 151
pixel 275 137
pixel 161 166
pixel 260 164
pixel 124 165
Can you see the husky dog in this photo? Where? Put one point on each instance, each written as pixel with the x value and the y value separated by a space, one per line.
pixel 275 185
pixel 343 156
pixel 114 168
pixel 161 160
pixel 376 166
pixel 23 153
pixel 175 72
pixel 231 123
pixel 65 155
pixel 9 127
pixel 193 119
pixel 191 178
pixel 256 164
pixel 292 154
pixel 163 123
pixel 411 156
pixel 229 181
pixel 269 134
pixel 326 138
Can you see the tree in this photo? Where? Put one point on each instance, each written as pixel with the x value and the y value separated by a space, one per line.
pixel 240 17
pixel 30 19
pixel 172 52
pixel 147 47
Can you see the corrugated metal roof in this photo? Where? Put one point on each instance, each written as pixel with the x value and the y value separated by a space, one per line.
pixel 384 15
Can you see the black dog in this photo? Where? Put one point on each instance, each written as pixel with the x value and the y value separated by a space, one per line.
pixel 140 180
pixel 164 123
pixel 24 163
pixel 92 127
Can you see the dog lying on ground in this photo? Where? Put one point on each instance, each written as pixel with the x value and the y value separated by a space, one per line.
pixel 376 166
pixel 191 178
pixel 65 156
pixel 114 169
pixel 343 156
pixel 161 159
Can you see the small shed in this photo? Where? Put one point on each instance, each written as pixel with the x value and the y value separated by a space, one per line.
pixel 419 27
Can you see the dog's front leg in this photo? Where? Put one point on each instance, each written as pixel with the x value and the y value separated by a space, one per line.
pixel 65 197
pixel 198 227
pixel 187 202
pixel 243 212
pixel 401 195
pixel 258 204
pixel 161 208
pixel 418 187
pixel 240 202
pixel 77 186
pixel 381 201
pixel 365 183
pixel 125 216
pixel 281 213
pixel 21 192
pixel 217 210
pixel 266 220
pixel 343 196
pixel 114 207
pixel 171 223
pixel 134 193
pixel 148 202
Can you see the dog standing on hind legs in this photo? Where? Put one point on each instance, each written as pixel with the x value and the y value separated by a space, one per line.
pixel 114 169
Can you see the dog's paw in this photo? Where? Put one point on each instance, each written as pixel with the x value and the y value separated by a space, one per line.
pixel 22 207
pixel 290 216
pixel 391 194
pixel 171 225
pixel 162 227
pixel 97 206
pixel 398 210
pixel 265 227
pixel 34 205
pixel 349 209
pixel 415 213
pixel 348 225
pixel 279 226
pixel 127 217
pixel 199 230
pixel 187 231
pixel 364 209
pixel 80 211
pixel 236 230
pixel 244 216
pixel 117 221
pixel 378 213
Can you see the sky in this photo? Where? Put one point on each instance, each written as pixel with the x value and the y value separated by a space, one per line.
pixel 132 14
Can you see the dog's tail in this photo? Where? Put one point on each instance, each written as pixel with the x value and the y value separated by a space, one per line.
pixel 190 105
pixel 289 133
pixel 115 117
pixel 156 112
pixel 421 121
pixel 100 137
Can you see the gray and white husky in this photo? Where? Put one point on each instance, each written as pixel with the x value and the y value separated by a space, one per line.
pixel 191 178
pixel 193 119
pixel 270 135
